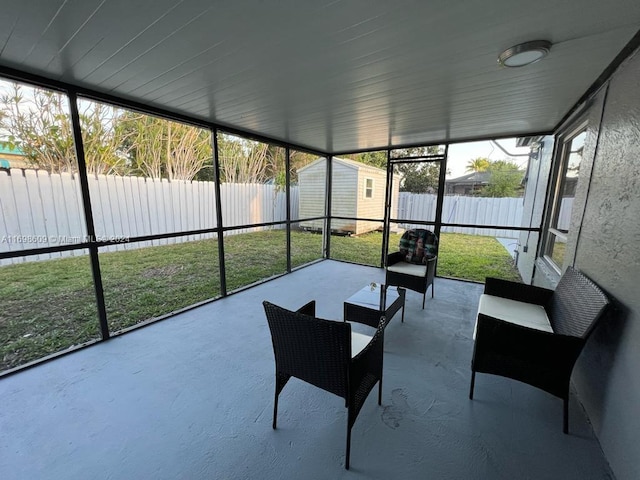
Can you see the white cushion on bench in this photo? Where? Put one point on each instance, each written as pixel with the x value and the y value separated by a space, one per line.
pixel 408 269
pixel 358 342
pixel 520 313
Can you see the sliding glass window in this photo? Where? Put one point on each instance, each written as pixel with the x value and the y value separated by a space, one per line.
pixel 561 204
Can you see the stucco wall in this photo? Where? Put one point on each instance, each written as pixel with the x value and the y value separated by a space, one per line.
pixel 607 377
pixel 604 242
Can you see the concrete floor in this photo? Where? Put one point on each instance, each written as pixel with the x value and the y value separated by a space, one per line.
pixel 191 398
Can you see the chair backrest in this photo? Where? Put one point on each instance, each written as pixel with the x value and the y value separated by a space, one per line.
pixel 312 349
pixel 576 304
pixel 418 245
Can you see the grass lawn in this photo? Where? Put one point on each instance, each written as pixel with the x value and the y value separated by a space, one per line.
pixel 467 257
pixel 49 306
pixel 473 257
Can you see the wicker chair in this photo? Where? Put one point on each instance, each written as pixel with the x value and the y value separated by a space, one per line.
pixel 326 354
pixel 414 265
pixel 535 335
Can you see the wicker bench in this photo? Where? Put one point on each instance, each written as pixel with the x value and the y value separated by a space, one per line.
pixel 535 335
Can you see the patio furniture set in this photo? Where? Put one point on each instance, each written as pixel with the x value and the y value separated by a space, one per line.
pixel 523 332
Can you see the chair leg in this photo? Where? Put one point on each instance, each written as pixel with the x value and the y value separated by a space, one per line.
pixel 275 409
pixel 473 382
pixel 380 392
pixel 424 297
pixel 432 289
pixel 565 419
pixel 348 454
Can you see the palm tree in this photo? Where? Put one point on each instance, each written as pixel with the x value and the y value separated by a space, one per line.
pixel 479 164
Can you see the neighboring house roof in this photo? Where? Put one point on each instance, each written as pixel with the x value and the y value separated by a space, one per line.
pixel 475 177
pixel 9 156
pixel 7 150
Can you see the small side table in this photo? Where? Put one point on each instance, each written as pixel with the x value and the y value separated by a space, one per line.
pixel 369 303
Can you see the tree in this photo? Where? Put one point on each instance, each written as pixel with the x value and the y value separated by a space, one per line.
pixel 297 160
pixel 104 146
pixel 376 159
pixel 189 149
pixel 419 177
pixel 115 141
pixel 276 166
pixel 267 162
pixel 504 180
pixel 144 143
pixel 479 164
pixel 159 148
pixel 416 176
pixel 242 160
pixel 38 124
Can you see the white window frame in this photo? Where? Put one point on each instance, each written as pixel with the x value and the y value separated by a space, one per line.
pixel 367 189
pixel 552 233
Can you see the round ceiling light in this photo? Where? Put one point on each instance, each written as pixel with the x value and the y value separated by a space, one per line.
pixel 524 54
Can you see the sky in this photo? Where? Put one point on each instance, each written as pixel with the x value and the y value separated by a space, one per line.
pixel 461 153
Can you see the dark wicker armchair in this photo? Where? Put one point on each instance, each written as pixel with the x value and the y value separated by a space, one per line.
pixel 326 354
pixel 535 335
pixel 414 265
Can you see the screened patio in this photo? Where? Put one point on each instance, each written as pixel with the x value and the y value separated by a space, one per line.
pixel 167 166
pixel 192 397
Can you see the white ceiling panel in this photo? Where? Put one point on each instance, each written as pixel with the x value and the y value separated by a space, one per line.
pixel 330 75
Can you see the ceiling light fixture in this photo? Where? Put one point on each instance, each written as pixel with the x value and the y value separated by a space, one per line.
pixel 524 54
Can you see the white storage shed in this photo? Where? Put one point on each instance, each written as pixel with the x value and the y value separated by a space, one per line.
pixel 358 190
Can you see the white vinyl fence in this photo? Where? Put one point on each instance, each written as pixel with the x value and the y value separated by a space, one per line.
pixel 505 211
pixel 462 209
pixel 41 210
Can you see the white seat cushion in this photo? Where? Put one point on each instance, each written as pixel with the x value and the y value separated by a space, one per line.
pixel 520 313
pixel 358 342
pixel 408 269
